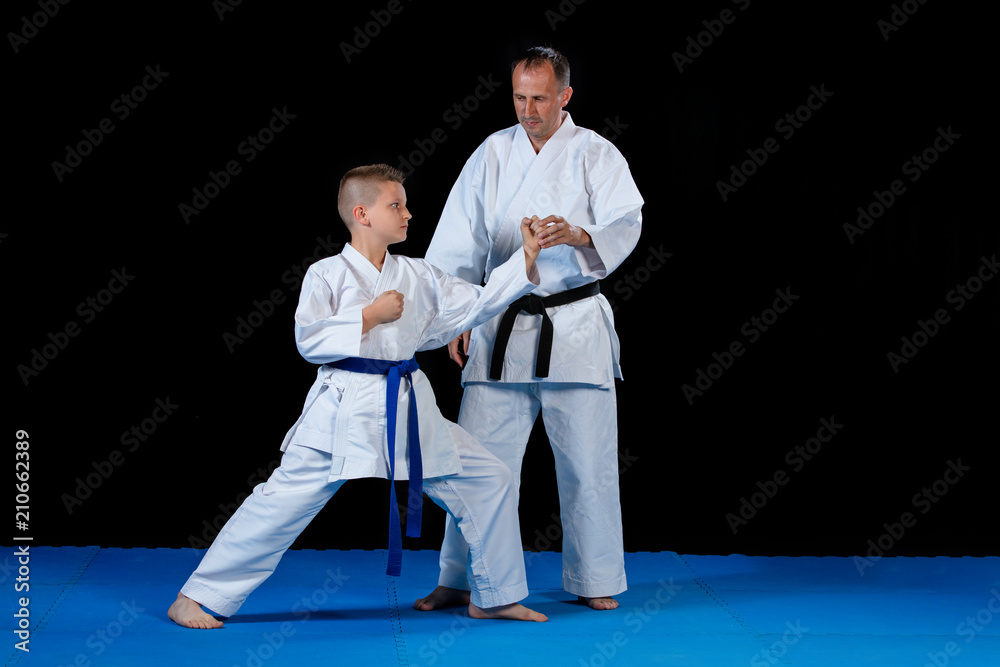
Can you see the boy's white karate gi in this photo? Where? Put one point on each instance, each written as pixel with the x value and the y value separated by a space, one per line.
pixel 341 433
pixel 582 177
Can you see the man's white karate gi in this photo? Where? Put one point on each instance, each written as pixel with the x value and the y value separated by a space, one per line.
pixel 578 175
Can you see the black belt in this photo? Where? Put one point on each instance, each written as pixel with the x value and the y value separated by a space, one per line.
pixel 535 305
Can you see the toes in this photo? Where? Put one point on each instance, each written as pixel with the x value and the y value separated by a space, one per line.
pixel 600 603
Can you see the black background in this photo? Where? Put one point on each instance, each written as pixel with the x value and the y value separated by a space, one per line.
pixel 689 463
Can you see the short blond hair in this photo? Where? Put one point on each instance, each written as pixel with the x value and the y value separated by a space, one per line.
pixel 363 185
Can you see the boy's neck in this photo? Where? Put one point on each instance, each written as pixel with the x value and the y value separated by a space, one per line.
pixel 373 252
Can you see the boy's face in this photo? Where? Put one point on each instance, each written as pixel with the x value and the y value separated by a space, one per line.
pixel 388 216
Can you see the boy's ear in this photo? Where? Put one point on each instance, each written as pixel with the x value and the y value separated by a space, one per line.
pixel 360 214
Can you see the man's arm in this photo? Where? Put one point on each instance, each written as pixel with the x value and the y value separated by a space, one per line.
pixel 460 245
pixel 555 230
pixel 603 242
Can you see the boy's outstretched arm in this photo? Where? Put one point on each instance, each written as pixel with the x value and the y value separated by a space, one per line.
pixel 531 250
pixel 531 247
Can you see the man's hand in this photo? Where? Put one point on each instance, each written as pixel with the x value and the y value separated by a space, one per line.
pixel 387 307
pixel 553 230
pixel 459 356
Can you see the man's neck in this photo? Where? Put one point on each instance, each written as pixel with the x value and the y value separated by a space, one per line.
pixel 538 145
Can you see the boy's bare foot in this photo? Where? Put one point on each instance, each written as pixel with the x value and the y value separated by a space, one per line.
pixel 185 611
pixel 441 598
pixel 600 604
pixel 510 612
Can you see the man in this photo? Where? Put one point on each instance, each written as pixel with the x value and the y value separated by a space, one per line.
pixel 576 189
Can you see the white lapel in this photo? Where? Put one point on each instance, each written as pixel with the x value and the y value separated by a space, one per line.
pixel 362 267
pixel 387 277
pixel 509 233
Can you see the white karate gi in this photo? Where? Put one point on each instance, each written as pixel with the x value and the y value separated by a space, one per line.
pixel 341 433
pixel 583 178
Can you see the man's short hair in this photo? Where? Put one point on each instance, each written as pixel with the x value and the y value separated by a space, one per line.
pixel 363 185
pixel 537 56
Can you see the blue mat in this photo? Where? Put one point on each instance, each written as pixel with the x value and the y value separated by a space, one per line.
pixel 92 606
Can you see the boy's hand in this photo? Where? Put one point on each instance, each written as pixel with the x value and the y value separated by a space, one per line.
pixel 554 230
pixel 387 307
pixel 531 246
pixel 459 355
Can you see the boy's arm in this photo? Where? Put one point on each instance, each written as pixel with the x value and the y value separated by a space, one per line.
pixel 387 307
pixel 462 306
pixel 531 247
pixel 326 328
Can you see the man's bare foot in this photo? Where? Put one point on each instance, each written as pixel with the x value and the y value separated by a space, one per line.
pixel 441 598
pixel 185 611
pixel 600 604
pixel 510 612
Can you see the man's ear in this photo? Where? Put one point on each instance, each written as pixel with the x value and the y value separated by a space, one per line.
pixel 566 94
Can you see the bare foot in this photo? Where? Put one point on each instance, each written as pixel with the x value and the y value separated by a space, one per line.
pixel 600 604
pixel 441 598
pixel 510 612
pixel 185 611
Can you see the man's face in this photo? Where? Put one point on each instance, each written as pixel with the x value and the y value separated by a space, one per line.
pixel 539 102
pixel 389 216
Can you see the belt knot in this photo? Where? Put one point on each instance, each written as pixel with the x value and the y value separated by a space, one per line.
pixel 535 305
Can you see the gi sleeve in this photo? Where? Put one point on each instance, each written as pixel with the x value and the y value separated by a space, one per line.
pixel 460 245
pixel 322 334
pixel 462 306
pixel 617 218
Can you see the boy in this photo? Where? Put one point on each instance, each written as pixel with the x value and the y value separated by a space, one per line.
pixel 351 319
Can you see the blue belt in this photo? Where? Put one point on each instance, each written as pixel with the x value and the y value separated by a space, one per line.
pixel 395 370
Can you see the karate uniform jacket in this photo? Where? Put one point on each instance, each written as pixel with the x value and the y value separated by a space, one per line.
pixel 582 177
pixel 345 412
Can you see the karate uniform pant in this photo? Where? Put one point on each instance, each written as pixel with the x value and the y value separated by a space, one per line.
pixel 480 499
pixel 582 427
